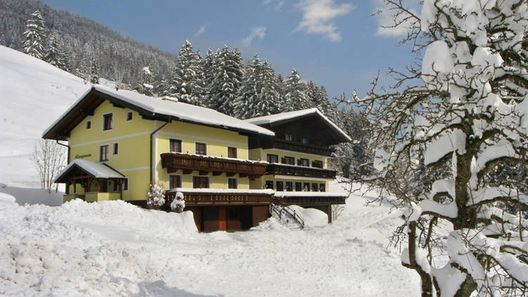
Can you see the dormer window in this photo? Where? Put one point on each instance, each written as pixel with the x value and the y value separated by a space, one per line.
pixel 107 121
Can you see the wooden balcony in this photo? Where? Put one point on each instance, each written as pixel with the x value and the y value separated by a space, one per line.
pixel 291 170
pixel 271 142
pixel 178 161
pixel 203 197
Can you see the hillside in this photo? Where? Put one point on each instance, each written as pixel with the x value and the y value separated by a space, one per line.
pixel 117 58
pixel 33 95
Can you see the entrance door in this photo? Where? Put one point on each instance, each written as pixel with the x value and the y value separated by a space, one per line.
pixel 222 218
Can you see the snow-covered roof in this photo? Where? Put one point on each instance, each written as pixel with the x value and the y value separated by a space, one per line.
pixel 286 116
pixel 97 170
pixel 160 107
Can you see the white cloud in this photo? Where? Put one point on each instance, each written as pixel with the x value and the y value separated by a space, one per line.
pixel 318 16
pixel 277 4
pixel 386 18
pixel 201 31
pixel 257 32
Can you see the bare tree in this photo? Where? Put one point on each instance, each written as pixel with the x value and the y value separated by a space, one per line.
pixel 443 129
pixel 49 158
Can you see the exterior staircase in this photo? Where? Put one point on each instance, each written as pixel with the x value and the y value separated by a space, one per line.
pixel 286 215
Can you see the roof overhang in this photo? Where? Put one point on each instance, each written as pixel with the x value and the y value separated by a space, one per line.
pixel 87 169
pixel 287 117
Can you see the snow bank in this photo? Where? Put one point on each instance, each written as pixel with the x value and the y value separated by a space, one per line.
pixel 116 249
pixel 312 217
pixel 6 201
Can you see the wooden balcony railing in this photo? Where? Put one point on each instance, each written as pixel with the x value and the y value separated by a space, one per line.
pixel 291 170
pixel 225 197
pixel 271 142
pixel 177 161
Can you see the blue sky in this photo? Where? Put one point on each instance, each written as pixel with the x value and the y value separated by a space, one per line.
pixel 333 42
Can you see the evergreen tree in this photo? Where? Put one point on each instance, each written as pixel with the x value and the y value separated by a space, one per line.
pixel 295 97
pixel 145 85
pixel 188 80
pixel 208 71
pixel 35 35
pixel 226 79
pixel 55 54
pixel 161 86
pixel 94 72
pixel 259 94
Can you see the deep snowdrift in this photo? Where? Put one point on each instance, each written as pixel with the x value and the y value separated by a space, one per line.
pixel 34 94
pixel 116 249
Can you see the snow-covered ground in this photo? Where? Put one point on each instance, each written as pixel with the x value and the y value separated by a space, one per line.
pixel 116 249
pixel 33 95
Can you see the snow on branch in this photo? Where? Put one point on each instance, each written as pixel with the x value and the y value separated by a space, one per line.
pixel 444 145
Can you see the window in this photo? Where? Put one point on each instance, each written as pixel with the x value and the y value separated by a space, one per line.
pixel 232 152
pixel 115 186
pixel 317 164
pixel 288 160
pixel 116 149
pixel 273 158
pixel 103 153
pixel 306 187
pixel 88 124
pixel 201 148
pixel 269 184
pixel 322 187
pixel 129 116
pixel 288 137
pixel 289 186
pixel 174 181
pixel 303 162
pixel 200 182
pixel 304 140
pixel 280 186
pixel 232 183
pixel 107 121
pixel 175 145
pixel 298 186
pixel 103 186
pixel 315 187
pixel 125 185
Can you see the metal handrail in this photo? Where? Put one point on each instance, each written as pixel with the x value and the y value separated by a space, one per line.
pixel 289 211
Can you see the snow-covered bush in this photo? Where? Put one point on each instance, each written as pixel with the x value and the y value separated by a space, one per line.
pixel 156 196
pixel 178 204
pixel 456 119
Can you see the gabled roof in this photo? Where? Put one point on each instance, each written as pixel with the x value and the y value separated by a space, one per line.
pixel 281 118
pixel 149 107
pixel 96 170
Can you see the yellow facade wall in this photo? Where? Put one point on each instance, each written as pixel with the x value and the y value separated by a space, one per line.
pixel 217 141
pixel 133 157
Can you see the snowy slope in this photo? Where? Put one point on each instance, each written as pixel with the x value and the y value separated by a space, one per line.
pixel 33 95
pixel 116 249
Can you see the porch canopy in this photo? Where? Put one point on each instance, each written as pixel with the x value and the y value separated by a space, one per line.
pixel 84 172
